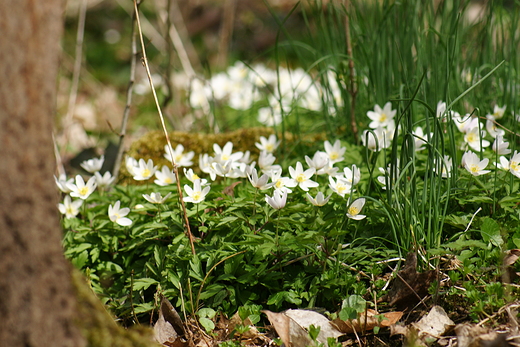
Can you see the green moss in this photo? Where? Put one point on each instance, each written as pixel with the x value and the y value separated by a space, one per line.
pixel 151 145
pixel 98 326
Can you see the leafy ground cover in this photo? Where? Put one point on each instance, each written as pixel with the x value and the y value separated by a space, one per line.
pixel 387 188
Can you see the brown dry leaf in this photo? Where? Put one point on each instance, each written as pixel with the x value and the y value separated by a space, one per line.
pixel 474 335
pixel 368 321
pixel 410 286
pixel 435 323
pixel 230 190
pixel 292 327
pixel 508 271
pixel 169 329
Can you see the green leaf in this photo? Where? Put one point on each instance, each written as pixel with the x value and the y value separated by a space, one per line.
pixel 490 231
pixel 206 312
pixel 196 269
pixel 80 260
pixel 207 324
pixel 144 283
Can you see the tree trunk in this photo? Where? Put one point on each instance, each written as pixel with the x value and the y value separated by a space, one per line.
pixel 37 300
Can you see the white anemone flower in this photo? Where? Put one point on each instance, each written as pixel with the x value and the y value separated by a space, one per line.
pixel 318 161
pixel 443 166
pixel 503 165
pixel 117 214
pixel 165 177
pixel 340 186
pixel 190 175
pixel 282 183
pixel 335 152
pixel 500 146
pixel 377 139
pixel 441 110
pixel 278 200
pixel 355 208
pixel 498 112
pixel 492 128
pixel 381 117
pixel 156 198
pixel 420 138
pixel 180 158
pixel 105 180
pixel 473 164
pixel 93 165
pixel 303 178
pixel 131 163
pixel 205 166
pixel 514 164
pixel 70 208
pixel 80 189
pixel 266 163
pixel 475 139
pixel 62 182
pixel 144 170
pixel 226 153
pixel 195 194
pixel 352 176
pixel 320 199
pixel 268 144
pixel 259 183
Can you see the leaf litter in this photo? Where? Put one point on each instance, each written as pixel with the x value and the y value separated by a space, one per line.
pixel 424 324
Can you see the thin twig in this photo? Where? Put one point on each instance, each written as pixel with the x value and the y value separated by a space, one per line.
pixel 226 32
pixel 353 80
pixel 170 149
pixel 129 93
pixel 78 59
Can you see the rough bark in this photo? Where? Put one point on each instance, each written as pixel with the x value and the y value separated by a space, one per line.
pixel 37 300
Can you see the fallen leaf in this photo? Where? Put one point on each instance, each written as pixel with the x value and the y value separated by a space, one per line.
pixel 508 272
pixel 475 335
pixel 410 286
pixel 292 327
pixel 435 323
pixel 169 329
pixel 368 321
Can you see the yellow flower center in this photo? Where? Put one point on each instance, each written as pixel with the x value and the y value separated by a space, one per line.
pixel 383 117
pixel 196 195
pixel 353 210
pixel 69 211
pixel 333 156
pixel 225 157
pixel 195 177
pixel 301 178
pixel 269 147
pixel 471 137
pixel 178 158
pixel 513 166
pixel 279 183
pixel 146 173
pixel 168 180
pixel 83 191
pixel 474 168
pixel 341 188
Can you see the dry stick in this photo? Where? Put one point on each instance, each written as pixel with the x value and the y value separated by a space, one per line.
pixel 180 25
pixel 129 93
pixel 77 68
pixel 170 149
pixel 353 84
pixel 226 32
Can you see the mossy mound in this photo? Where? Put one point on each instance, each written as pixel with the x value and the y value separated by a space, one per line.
pixel 151 145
